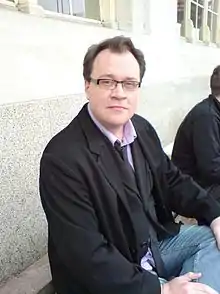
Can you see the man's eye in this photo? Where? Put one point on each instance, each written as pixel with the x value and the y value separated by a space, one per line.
pixel 107 82
pixel 130 84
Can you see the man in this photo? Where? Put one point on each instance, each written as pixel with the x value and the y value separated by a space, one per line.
pixel 196 149
pixel 108 192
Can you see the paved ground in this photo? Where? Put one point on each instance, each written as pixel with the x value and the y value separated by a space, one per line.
pixel 30 281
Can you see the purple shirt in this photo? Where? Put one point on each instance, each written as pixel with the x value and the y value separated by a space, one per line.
pixel 129 136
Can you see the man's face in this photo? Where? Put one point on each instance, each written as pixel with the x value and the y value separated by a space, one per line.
pixel 113 107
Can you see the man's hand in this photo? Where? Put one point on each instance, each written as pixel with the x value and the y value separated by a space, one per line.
pixel 185 285
pixel 215 227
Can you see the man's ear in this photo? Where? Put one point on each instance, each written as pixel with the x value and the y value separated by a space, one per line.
pixel 86 84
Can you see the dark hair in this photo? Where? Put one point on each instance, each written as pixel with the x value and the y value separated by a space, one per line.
pixel 118 44
pixel 215 81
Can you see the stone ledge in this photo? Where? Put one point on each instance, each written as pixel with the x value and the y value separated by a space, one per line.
pixel 7 4
pixel 48 289
pixel 35 279
pixel 72 18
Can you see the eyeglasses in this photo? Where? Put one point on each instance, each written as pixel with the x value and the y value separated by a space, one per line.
pixel 110 84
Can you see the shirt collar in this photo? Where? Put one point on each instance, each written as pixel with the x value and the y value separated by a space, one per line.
pixel 129 134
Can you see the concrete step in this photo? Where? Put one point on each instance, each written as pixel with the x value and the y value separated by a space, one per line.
pixel 48 289
pixel 35 279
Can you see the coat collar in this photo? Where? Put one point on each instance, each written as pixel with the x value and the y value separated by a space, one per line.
pixel 216 102
pixel 95 138
pixel 129 131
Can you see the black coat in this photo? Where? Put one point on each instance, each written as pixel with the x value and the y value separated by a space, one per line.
pixel 196 149
pixel 83 194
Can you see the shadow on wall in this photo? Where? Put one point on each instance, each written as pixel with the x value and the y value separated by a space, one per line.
pixel 166 104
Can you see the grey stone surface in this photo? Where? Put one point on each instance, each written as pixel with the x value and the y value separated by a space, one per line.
pixel 25 129
pixel 30 281
pixel 63 109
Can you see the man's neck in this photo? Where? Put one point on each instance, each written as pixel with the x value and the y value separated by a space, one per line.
pixel 117 132
pixel 125 134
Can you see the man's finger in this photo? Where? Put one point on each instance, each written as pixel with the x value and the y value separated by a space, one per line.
pixel 218 243
pixel 217 238
pixel 191 276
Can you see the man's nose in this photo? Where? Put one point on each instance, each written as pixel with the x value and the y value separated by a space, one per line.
pixel 119 92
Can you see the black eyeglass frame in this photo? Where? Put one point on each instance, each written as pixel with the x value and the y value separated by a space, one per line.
pixel 125 84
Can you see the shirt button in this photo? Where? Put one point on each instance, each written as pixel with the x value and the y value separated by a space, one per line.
pixel 145 243
pixel 133 251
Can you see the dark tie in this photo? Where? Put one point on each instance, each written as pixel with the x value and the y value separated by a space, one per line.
pixel 122 151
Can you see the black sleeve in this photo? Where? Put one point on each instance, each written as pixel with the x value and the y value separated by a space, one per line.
pixel 187 198
pixel 184 196
pixel 206 145
pixel 73 226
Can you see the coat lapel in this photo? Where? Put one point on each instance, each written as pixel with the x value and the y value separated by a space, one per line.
pixel 108 165
pixel 144 181
pixel 153 161
pixel 128 180
pixel 143 175
pixel 104 153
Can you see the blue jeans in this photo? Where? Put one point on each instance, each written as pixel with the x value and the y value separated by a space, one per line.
pixel 192 250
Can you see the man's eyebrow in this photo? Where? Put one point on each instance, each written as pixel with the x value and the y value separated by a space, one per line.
pixel 107 76
pixel 113 77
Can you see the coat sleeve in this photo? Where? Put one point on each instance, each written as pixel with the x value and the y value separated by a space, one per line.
pixel 206 145
pixel 183 195
pixel 74 228
pixel 187 198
